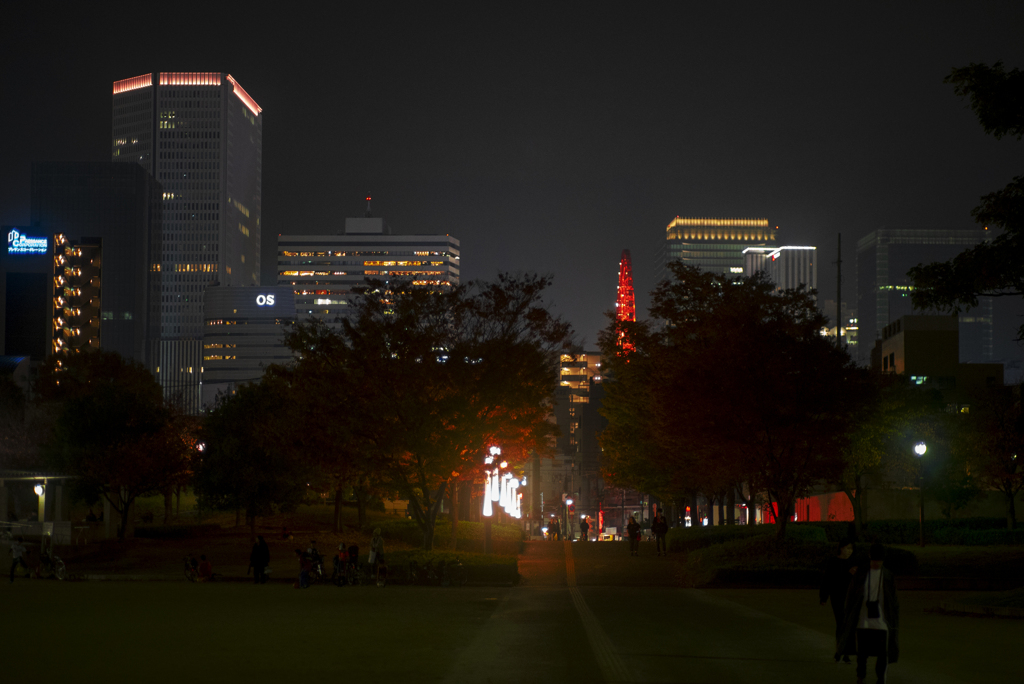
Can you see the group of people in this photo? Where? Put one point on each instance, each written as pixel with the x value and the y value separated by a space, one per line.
pixel 659 528
pixel 865 607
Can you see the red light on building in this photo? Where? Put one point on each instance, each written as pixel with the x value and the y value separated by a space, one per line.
pixel 625 304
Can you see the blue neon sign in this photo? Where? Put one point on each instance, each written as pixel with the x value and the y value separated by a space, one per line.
pixel 23 244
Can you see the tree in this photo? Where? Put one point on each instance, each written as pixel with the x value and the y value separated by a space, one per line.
pixel 431 378
pixel 879 450
pixel 248 461
pixel 994 268
pixel 991 439
pixel 745 388
pixel 114 432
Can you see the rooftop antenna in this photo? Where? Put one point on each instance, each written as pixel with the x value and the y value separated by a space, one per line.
pixel 368 214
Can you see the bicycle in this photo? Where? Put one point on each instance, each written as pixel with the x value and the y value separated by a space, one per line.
pixel 51 567
pixel 191 569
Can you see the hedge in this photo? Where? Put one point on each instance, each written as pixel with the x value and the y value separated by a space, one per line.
pixel 176 531
pixel 963 536
pixel 505 539
pixel 763 560
pixel 908 531
pixel 686 539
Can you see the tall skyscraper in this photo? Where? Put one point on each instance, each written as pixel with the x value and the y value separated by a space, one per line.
pixel 883 290
pixel 201 136
pixel 714 244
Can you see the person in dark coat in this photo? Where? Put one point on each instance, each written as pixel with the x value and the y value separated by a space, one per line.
pixel 835 583
pixel 633 531
pixel 872 617
pixel 584 530
pixel 660 528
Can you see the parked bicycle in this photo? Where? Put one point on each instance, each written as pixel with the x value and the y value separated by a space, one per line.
pixel 51 567
pixel 191 569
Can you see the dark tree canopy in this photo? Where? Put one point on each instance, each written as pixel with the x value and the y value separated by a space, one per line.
pixel 114 431
pixel 427 378
pixel 994 268
pixel 740 388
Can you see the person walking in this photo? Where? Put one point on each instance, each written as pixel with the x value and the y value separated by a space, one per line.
pixel 660 528
pixel 555 530
pixel 376 550
pixel 872 617
pixel 835 583
pixel 584 530
pixel 633 530
pixel 259 559
pixel 17 556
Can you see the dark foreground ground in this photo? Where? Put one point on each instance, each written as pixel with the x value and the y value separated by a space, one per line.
pixel 582 614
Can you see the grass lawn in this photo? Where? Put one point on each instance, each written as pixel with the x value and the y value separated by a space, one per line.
pixel 163 632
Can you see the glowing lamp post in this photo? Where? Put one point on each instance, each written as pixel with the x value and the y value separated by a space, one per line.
pixel 919 449
pixel 501 489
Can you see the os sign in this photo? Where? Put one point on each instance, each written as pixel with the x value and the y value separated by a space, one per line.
pixel 265 300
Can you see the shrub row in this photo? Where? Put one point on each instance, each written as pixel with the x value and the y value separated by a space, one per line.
pixel 176 531
pixel 506 539
pixel 961 536
pixel 686 539
pixel 972 531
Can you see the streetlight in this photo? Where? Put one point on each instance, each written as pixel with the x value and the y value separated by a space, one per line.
pixel 919 449
pixel 499 489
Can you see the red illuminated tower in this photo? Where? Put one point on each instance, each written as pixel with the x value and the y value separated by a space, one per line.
pixel 625 307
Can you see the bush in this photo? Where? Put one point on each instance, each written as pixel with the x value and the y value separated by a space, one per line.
pixel 765 560
pixel 506 539
pixel 687 539
pixel 908 531
pixel 964 536
pixel 176 531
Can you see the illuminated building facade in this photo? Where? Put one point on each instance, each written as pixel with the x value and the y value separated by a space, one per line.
pixel 243 333
pixel 787 266
pixel 200 135
pixel 77 294
pixel 576 470
pixel 714 244
pixel 625 302
pixel 883 290
pixel 324 269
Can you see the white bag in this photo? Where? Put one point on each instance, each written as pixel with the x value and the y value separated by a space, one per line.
pixel 373 557
pixel 266 570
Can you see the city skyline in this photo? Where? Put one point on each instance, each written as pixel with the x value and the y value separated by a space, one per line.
pixel 546 153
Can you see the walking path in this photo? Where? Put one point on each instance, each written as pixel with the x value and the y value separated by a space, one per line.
pixel 591 613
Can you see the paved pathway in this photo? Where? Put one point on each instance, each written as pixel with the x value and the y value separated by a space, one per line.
pixel 591 613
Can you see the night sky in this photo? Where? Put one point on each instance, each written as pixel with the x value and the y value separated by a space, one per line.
pixel 550 138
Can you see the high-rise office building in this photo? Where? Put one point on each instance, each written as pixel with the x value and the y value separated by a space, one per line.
pixel 243 333
pixel 201 136
pixel 787 266
pixel 324 269
pixel 714 244
pixel 99 226
pixel 883 290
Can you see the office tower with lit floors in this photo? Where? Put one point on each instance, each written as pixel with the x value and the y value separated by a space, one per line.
pixel 884 291
pixel 200 135
pixel 714 245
